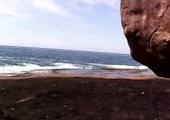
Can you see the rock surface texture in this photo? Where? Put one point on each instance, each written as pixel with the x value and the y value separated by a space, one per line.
pixel 146 26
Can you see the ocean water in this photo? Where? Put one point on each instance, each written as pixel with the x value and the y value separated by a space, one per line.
pixel 26 60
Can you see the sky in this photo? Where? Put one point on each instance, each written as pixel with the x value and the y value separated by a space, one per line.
pixel 88 25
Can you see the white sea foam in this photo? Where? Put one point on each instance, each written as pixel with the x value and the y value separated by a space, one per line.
pixel 18 69
pixel 67 66
pixel 119 66
pixel 72 66
pixel 25 68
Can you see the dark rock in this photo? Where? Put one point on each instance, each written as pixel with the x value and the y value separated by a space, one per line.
pixel 146 26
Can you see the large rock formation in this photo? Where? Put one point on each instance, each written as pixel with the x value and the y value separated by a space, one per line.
pixel 146 25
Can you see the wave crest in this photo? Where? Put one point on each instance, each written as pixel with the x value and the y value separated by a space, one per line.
pixel 32 68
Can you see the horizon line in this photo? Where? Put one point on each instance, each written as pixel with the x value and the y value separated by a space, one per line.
pixel 64 49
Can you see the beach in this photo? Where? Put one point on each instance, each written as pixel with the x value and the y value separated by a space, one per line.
pixel 83 97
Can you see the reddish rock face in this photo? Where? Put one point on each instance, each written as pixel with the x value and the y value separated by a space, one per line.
pixel 146 26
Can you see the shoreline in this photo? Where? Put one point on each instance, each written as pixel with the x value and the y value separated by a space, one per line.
pixel 85 73
pixel 80 72
pixel 60 75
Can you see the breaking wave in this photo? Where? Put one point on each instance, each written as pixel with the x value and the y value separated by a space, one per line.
pixel 121 67
pixel 33 68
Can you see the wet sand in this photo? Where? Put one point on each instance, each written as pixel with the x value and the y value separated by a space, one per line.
pixel 78 97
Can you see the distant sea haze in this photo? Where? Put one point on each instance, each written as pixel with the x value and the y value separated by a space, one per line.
pixel 22 60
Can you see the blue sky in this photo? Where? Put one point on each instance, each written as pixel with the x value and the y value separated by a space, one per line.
pixel 91 25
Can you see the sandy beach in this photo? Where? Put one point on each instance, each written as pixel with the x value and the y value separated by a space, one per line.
pixel 78 97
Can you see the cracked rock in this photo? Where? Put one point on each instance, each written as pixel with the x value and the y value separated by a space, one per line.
pixel 146 25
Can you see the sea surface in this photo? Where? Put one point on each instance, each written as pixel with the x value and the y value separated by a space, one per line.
pixel 16 61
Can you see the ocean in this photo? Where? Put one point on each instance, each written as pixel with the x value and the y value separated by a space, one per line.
pixel 16 61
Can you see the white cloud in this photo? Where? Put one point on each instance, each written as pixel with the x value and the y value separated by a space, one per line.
pixel 64 7
pixel 16 7
pixel 11 7
pixel 111 3
pixel 84 5
pixel 50 5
